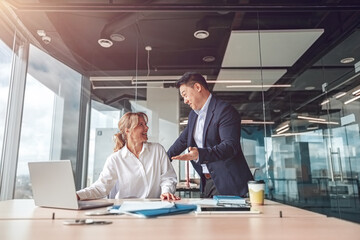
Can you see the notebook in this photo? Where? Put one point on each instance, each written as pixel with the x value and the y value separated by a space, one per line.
pixel 229 199
pixel 53 186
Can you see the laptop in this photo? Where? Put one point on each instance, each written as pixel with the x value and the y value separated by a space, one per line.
pixel 53 186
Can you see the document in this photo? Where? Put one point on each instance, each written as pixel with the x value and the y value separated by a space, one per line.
pixel 202 202
pixel 131 206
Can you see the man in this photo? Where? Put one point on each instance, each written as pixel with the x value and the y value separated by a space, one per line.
pixel 212 138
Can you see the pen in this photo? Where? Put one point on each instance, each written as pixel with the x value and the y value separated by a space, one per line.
pixel 85 222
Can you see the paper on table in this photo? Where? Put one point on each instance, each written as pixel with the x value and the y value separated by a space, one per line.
pixel 128 206
pixel 210 202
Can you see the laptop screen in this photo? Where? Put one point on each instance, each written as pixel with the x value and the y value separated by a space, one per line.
pixel 53 184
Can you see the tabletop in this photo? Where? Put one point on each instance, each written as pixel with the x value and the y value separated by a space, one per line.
pixel 20 219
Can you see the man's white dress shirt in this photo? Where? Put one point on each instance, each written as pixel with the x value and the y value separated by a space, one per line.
pixel 148 176
pixel 199 129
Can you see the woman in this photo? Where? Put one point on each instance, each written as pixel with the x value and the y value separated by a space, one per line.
pixel 141 169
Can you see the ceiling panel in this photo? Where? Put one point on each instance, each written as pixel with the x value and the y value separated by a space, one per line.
pixel 279 48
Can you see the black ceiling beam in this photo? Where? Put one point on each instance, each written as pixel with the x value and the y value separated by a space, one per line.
pixel 113 7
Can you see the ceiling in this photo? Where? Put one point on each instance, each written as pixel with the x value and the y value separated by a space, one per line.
pixel 267 42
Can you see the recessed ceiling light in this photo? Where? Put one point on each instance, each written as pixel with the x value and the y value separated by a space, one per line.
pixel 201 34
pixel 46 39
pixel 116 37
pixel 310 88
pixel 208 59
pixel 347 60
pixel 105 43
pixel 41 33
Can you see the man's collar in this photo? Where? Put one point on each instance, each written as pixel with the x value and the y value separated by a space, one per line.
pixel 205 107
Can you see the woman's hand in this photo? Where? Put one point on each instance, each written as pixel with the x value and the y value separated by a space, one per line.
pixel 169 196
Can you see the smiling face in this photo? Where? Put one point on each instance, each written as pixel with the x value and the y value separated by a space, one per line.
pixel 138 134
pixel 193 96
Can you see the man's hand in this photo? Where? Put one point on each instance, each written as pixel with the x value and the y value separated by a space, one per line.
pixel 193 154
pixel 169 196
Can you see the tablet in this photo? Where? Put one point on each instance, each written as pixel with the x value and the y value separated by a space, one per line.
pixel 224 209
pixel 209 210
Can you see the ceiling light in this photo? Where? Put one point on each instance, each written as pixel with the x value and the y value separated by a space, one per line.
pixel 155 78
pixel 116 37
pixel 185 122
pixel 311 118
pixel 115 78
pixel 320 122
pixel 153 81
pixel 41 33
pixel 259 86
pixel 105 43
pixel 347 60
pixel 340 95
pixel 310 88
pixel 228 81
pixel 123 87
pixel 283 127
pixel 325 102
pixel 208 59
pixel 293 134
pixel 201 34
pixel 312 128
pixel 277 110
pixel 249 121
pixel 138 78
pixel 351 100
pixel 283 130
pixel 356 92
pixel 46 39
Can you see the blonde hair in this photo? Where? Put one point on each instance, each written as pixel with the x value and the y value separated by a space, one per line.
pixel 128 121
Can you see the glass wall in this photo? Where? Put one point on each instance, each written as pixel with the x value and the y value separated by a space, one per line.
pixel 50 120
pixel 13 52
pixel 308 155
pixel 5 71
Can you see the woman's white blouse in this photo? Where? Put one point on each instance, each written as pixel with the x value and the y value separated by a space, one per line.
pixel 148 176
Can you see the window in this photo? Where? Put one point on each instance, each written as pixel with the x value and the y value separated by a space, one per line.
pixel 161 107
pixel 50 121
pixel 103 126
pixel 5 70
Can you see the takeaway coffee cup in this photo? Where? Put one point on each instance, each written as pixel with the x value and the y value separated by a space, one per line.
pixel 256 192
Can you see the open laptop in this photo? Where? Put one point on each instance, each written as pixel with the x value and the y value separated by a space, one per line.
pixel 53 186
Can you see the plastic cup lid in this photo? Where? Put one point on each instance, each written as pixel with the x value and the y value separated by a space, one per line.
pixel 256 182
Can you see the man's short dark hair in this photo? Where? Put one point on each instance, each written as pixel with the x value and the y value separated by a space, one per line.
pixel 190 78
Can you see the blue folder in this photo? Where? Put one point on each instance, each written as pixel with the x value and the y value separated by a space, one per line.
pixel 176 209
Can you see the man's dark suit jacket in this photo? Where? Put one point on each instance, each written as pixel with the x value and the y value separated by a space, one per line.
pixel 221 150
